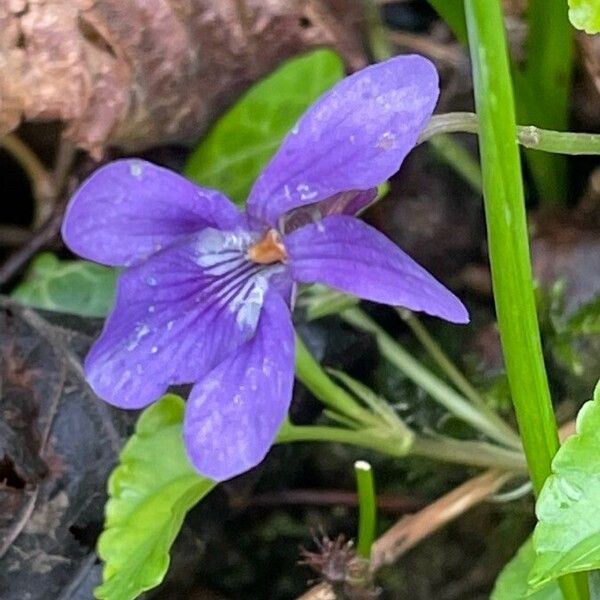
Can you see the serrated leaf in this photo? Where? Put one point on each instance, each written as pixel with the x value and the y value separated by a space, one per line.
pixel 567 536
pixel 512 581
pixel 150 491
pixel 230 157
pixel 71 286
pixel 585 15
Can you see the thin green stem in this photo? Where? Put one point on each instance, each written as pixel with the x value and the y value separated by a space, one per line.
pixel 441 358
pixel 482 419
pixel 558 142
pixel 380 439
pixel 391 443
pixel 509 245
pixel 367 508
pixel 312 375
pixel 476 454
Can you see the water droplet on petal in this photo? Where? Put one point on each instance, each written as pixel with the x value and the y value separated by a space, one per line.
pixel 151 281
pixel 154 349
pixel 151 308
pixel 136 169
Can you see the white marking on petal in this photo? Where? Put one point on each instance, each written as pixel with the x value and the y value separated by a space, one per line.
pixel 248 304
pixel 139 332
pixel 305 192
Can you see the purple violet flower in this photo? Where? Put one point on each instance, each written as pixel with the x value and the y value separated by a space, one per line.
pixel 206 295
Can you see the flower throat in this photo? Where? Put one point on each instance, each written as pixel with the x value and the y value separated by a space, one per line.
pixel 268 250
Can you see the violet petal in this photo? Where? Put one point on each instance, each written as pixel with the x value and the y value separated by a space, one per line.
pixel 347 254
pixel 176 317
pixel 353 138
pixel 344 203
pixel 234 413
pixel 129 209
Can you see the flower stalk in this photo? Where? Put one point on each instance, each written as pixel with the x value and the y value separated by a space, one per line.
pixel 509 247
pixel 529 136
pixel 480 417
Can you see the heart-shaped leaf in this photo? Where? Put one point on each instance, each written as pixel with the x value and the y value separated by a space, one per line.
pixel 567 536
pixel 585 15
pixel 78 287
pixel 512 581
pixel 150 492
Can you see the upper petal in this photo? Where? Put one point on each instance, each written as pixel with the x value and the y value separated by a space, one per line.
pixel 350 255
pixel 353 138
pixel 130 208
pixel 177 316
pixel 233 415
pixel 344 203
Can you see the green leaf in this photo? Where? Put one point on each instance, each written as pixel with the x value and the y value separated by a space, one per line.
pixel 150 492
pixel 567 536
pixel 585 15
pixel 586 321
pixel 230 157
pixel 512 581
pixel 72 286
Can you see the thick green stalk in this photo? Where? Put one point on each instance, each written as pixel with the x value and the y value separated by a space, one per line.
pixel 509 245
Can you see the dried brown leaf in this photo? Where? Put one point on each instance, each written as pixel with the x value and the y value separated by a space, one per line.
pixel 58 443
pixel 146 72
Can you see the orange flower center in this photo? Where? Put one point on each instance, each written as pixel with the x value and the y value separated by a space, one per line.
pixel 268 250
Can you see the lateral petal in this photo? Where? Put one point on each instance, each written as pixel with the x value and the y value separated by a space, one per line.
pixel 176 317
pixel 347 254
pixel 130 208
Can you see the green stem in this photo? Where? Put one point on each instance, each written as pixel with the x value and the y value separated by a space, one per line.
pixel 367 508
pixel 559 142
pixel 441 358
pixel 508 244
pixel 391 443
pixel 379 439
pixel 475 454
pixel 481 418
pixel 312 375
pixel 544 89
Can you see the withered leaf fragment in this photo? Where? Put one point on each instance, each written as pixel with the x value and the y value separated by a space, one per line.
pixel 58 444
pixel 141 73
